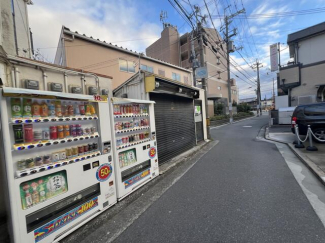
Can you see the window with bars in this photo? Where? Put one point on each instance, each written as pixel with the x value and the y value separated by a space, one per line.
pixel 176 76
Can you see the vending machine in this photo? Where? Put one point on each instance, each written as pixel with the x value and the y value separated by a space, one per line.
pixel 58 161
pixel 134 143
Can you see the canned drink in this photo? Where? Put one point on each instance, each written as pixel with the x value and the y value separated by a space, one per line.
pixel 73 130
pixel 21 164
pixel 85 148
pixel 30 163
pixel 74 151
pixel 95 146
pixel 68 152
pixel 46 134
pixel 67 131
pixel 60 132
pixel 46 159
pixel 28 133
pixel 93 130
pixel 63 155
pixel 37 135
pixel 80 150
pixel 90 147
pixel 53 132
pixel 38 161
pixel 79 130
pixel 55 157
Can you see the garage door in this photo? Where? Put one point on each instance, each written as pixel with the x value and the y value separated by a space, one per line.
pixel 175 125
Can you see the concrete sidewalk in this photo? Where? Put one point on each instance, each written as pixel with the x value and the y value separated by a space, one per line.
pixel 315 160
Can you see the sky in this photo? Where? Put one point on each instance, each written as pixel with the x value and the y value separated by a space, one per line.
pixel 136 24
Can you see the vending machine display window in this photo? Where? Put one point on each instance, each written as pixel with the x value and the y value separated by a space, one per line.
pixel 38 190
pixel 127 158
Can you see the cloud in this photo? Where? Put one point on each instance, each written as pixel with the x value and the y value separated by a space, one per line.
pixel 110 21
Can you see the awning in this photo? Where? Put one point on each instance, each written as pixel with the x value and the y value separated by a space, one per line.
pixel 157 84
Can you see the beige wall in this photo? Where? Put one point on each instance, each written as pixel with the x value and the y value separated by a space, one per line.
pixel 310 77
pixel 167 47
pixel 104 60
pixel 291 75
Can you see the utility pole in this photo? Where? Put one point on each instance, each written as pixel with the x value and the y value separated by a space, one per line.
pixel 230 48
pixel 193 59
pixel 273 100
pixel 203 80
pixel 257 65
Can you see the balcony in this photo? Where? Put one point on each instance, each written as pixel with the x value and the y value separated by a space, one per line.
pixel 184 48
pixel 186 64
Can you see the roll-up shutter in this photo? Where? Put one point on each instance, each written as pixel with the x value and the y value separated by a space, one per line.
pixel 175 126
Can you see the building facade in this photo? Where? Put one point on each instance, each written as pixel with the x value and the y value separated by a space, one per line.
pixel 177 49
pixel 86 53
pixel 303 79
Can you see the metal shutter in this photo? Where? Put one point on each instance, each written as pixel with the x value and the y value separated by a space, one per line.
pixel 175 125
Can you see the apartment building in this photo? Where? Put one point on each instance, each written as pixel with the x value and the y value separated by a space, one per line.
pixel 176 49
pixel 303 78
pixel 87 53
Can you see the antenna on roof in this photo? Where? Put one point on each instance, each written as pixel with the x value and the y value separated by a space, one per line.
pixel 163 16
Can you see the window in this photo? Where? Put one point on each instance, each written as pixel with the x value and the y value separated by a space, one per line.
pixel 161 72
pixel 126 66
pixel 219 87
pixel 147 68
pixel 123 65
pixel 176 76
pixel 131 67
pixel 185 80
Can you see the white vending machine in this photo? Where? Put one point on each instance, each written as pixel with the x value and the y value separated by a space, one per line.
pixel 58 161
pixel 134 143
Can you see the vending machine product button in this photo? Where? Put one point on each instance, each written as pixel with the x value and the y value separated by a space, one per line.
pixel 79 118
pixel 57 165
pixel 65 163
pixel 71 161
pixel 76 160
pixel 69 140
pixel 50 167
pixel 41 169
pixel 85 118
pixel 67 119
pixel 62 141
pixel 45 120
pixel 61 119
pixel 48 144
pixel 56 142
pixel 30 146
pixel 40 145
pixel 75 139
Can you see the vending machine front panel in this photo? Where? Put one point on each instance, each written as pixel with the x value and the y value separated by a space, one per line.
pixel 134 142
pixel 58 162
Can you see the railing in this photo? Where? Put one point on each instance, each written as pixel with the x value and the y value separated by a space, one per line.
pixel 299 142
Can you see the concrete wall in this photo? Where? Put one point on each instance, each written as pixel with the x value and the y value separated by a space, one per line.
pixel 104 60
pixel 7 33
pixel 290 74
pixel 167 47
pixel 7 39
pixel 312 50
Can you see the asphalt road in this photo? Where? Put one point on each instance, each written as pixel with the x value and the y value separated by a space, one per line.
pixel 240 191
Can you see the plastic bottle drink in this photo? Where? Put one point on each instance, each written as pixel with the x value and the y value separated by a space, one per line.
pixel 76 109
pixel 51 107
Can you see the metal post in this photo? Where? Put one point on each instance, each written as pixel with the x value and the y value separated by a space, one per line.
pixel 299 144
pixel 311 147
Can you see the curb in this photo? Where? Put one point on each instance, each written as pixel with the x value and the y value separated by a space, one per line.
pixel 227 123
pixel 320 175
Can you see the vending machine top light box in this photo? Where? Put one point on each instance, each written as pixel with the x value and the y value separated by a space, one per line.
pixel 58 161
pixel 134 143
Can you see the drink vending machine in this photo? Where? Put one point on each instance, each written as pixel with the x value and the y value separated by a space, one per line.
pixel 134 143
pixel 58 161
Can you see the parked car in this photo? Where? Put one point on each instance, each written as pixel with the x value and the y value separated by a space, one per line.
pixel 313 115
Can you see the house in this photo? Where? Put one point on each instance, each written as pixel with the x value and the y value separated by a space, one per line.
pixel 303 79
pixel 87 53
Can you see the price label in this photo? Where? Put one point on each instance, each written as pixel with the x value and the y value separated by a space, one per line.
pixel 152 152
pixel 100 98
pixel 104 172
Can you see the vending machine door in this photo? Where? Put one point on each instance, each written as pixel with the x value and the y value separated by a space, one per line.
pixel 59 163
pixel 135 145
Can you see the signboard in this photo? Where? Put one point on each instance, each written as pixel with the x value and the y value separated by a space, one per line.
pixel 201 72
pixel 274 58
pixel 104 172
